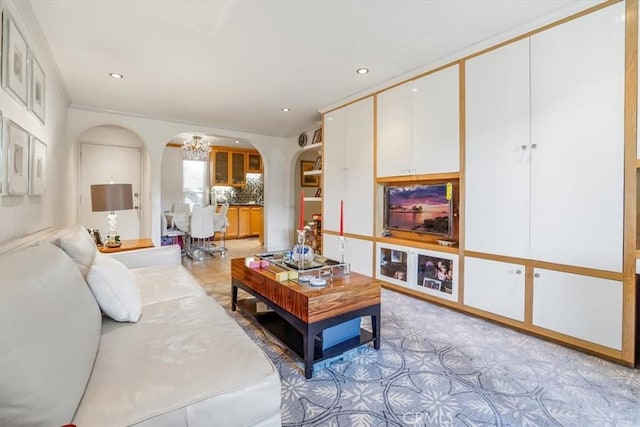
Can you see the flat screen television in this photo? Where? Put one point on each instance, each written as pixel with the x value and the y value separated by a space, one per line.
pixel 419 208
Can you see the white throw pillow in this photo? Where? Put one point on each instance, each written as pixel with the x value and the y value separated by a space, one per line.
pixel 114 288
pixel 80 247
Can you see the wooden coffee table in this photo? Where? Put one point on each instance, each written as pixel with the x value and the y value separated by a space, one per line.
pixel 301 312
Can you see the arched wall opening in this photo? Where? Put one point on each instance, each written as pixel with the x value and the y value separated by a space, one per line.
pixel 119 143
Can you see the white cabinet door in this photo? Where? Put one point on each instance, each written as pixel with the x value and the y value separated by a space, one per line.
pixel 577 125
pixel 358 253
pixel 496 287
pixel 394 131
pixel 436 122
pixel 333 165
pixel 497 151
pixel 358 201
pixel 584 307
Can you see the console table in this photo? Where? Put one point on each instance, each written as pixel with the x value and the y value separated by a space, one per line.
pixel 301 312
pixel 128 245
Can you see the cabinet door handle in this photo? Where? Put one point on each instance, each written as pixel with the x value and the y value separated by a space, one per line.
pixel 536 275
pixel 534 146
pixel 523 147
pixel 518 271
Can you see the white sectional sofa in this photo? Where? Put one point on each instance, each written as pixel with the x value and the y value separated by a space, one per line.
pixel 185 362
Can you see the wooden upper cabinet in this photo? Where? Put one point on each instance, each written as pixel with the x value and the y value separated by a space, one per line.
pixel 228 168
pixel 238 170
pixel 219 167
pixel 254 163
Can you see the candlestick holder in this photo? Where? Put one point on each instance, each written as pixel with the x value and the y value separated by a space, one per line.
pixel 341 243
pixel 300 247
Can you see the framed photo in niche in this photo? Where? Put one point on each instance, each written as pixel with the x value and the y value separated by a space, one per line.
pixel 308 180
pixel 317 136
pixel 18 160
pixel 37 167
pixel 37 92
pixel 14 60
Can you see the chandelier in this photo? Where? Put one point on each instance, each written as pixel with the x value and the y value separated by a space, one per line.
pixel 196 149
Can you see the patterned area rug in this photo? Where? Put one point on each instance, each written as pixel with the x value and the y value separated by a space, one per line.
pixel 437 367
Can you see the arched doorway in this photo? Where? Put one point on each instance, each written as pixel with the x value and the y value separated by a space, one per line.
pixel 113 154
pixel 201 181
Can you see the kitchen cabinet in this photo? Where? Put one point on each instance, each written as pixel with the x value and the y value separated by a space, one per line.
pixel 232 228
pixel 418 126
pixel 544 162
pixel 228 167
pixel 255 228
pixel 254 162
pixel 348 168
pixel 244 222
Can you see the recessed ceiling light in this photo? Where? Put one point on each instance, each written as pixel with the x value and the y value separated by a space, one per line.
pixel 286 109
pixel 237 142
pixel 362 70
pixel 116 75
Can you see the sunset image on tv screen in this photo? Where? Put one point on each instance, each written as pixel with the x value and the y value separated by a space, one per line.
pixel 418 208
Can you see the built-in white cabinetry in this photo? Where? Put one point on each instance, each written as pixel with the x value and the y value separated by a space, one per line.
pixel 498 151
pixel 544 172
pixel 348 168
pixel 589 308
pixel 418 126
pixel 577 123
pixel 494 286
pixel 430 272
pixel 357 252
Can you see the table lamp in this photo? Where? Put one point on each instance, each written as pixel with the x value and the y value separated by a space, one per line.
pixel 111 198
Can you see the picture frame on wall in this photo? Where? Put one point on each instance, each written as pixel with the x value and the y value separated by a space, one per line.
pixel 317 136
pixel 38 89
pixel 18 160
pixel 308 180
pixel 37 167
pixel 14 60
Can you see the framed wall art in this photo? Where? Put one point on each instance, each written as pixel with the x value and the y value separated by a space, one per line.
pixel 14 60
pixel 18 160
pixel 308 180
pixel 317 136
pixel 37 167
pixel 38 89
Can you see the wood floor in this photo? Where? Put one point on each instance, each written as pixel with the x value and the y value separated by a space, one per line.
pixel 217 270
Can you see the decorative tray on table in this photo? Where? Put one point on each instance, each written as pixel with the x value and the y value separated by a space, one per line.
pixel 310 270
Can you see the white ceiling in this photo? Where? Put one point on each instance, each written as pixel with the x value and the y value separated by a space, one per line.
pixel 235 64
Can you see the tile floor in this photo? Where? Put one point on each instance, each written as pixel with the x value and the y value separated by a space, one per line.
pixel 217 270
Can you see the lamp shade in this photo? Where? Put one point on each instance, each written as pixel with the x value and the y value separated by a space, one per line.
pixel 111 197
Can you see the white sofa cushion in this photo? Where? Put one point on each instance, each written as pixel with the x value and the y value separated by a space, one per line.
pixel 186 356
pixel 165 282
pixel 78 244
pixel 49 336
pixel 113 286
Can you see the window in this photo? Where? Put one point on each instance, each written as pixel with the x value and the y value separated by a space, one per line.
pixel 194 182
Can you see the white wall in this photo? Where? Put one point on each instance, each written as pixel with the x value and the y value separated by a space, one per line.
pixel 276 153
pixel 20 215
pixel 171 177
